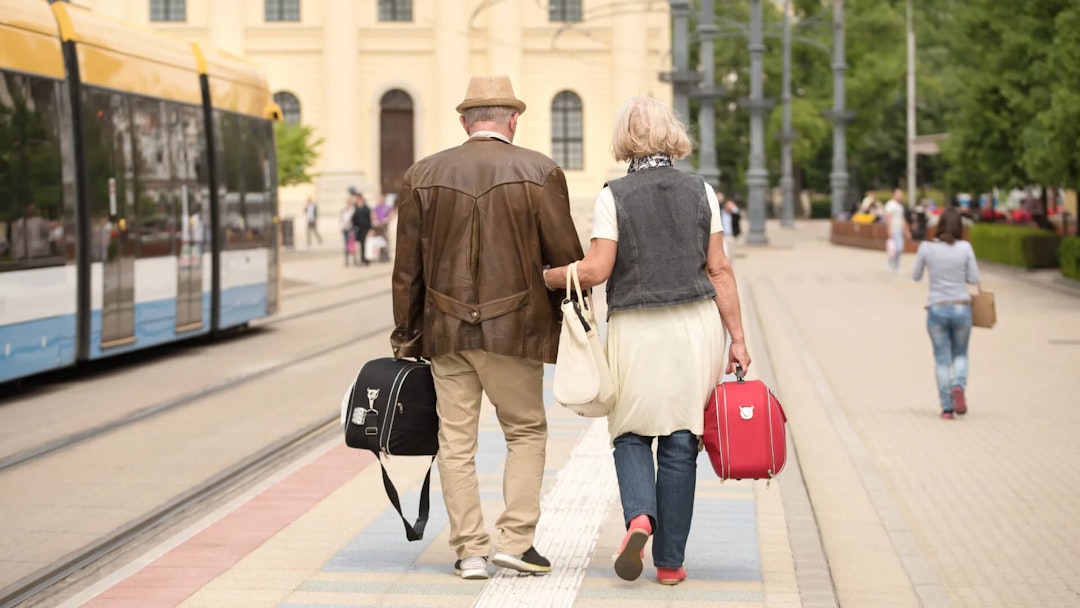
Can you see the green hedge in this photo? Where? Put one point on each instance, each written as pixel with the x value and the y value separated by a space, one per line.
pixel 1022 246
pixel 1070 257
pixel 820 207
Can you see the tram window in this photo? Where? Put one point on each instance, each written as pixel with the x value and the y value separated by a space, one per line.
pixel 155 190
pixel 246 153
pixel 190 178
pixel 109 170
pixel 32 214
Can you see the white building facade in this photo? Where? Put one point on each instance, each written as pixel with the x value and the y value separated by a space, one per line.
pixel 379 79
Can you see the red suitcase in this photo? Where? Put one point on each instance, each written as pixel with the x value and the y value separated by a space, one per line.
pixel 745 432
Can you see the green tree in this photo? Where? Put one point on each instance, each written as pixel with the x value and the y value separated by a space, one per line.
pixel 297 151
pixel 1051 151
pixel 1002 52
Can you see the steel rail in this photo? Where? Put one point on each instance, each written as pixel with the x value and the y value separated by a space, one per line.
pixel 72 439
pixel 278 451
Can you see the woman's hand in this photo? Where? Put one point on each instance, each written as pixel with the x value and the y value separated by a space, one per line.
pixel 738 355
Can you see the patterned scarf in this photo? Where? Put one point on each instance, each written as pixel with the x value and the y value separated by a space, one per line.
pixel 648 162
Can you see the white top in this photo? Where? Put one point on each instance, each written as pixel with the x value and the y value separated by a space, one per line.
pixel 606 226
pixel 665 361
pixel 894 217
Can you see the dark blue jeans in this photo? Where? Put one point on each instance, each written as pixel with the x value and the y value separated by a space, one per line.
pixel 949 326
pixel 664 491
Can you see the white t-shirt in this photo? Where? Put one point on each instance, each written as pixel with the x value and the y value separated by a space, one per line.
pixel 894 216
pixel 606 226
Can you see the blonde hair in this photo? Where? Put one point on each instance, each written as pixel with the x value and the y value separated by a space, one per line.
pixel 645 126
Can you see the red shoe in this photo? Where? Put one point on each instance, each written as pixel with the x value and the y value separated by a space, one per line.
pixel 628 564
pixel 670 576
pixel 947 415
pixel 959 403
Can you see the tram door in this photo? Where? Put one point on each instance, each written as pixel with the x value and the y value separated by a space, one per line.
pixel 119 236
pixel 189 171
pixel 118 275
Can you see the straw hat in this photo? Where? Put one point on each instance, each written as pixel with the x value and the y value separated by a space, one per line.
pixel 486 91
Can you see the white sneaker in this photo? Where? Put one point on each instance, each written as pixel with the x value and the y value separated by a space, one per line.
pixel 471 568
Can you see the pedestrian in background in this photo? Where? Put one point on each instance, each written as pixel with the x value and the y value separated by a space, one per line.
pixel 950 262
pixel 347 225
pixel 361 221
pixel 476 226
pixel 671 293
pixel 379 229
pixel 730 216
pixel 897 227
pixel 311 213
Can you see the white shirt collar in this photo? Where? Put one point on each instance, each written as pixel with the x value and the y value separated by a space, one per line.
pixel 491 134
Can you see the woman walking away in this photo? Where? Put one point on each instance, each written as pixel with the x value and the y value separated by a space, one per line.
pixel 951 263
pixel 657 240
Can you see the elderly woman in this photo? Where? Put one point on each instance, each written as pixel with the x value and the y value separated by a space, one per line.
pixel 950 261
pixel 657 241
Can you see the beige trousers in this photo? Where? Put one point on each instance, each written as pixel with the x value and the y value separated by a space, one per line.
pixel 515 388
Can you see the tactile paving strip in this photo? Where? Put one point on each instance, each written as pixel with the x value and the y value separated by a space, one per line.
pixel 571 516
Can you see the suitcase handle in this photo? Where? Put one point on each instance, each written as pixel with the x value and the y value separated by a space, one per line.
pixel 740 375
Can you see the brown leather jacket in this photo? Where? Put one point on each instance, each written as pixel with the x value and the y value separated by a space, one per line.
pixel 476 226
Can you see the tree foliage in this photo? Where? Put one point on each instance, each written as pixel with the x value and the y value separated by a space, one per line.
pixel 1001 77
pixel 297 151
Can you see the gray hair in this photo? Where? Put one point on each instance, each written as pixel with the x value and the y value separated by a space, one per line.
pixel 499 114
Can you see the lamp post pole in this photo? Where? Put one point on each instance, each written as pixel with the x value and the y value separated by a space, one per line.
pixel 787 182
pixel 681 77
pixel 911 160
pixel 708 94
pixel 838 178
pixel 757 176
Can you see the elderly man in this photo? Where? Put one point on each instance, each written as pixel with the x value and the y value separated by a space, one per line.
pixel 477 226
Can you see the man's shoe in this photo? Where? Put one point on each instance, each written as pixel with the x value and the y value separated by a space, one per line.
pixel 471 568
pixel 959 403
pixel 529 562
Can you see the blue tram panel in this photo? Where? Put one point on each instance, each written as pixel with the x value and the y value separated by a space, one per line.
pixel 140 206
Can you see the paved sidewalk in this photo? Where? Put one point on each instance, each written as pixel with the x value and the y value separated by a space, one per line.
pixel 978 511
pixel 899 507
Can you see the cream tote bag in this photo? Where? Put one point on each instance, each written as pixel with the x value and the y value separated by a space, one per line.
pixel 582 376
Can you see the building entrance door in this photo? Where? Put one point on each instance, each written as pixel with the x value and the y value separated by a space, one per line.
pixel 395 139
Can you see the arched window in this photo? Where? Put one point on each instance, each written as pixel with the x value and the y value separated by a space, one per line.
pixel 290 106
pixel 566 131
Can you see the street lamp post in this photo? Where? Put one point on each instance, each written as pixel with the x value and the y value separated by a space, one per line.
pixel 787 182
pixel 707 95
pixel 757 176
pixel 911 176
pixel 838 178
pixel 681 77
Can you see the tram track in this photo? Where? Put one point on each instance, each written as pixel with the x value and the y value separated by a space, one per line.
pixel 167 405
pixel 276 453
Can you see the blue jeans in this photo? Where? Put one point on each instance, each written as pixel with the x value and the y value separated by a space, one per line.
pixel 664 492
pixel 950 328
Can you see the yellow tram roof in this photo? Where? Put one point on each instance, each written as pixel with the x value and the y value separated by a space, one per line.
pixel 130 58
pixel 236 84
pixel 28 39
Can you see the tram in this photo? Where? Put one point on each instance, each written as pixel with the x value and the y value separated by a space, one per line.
pixel 138 197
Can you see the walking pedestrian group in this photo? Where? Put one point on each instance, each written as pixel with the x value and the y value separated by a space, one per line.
pixel 484 239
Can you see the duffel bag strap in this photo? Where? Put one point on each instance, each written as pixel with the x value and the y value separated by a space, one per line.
pixel 412 531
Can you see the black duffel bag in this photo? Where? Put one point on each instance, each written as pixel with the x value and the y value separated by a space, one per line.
pixel 390 410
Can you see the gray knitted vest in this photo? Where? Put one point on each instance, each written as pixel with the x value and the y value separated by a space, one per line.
pixel 664 220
